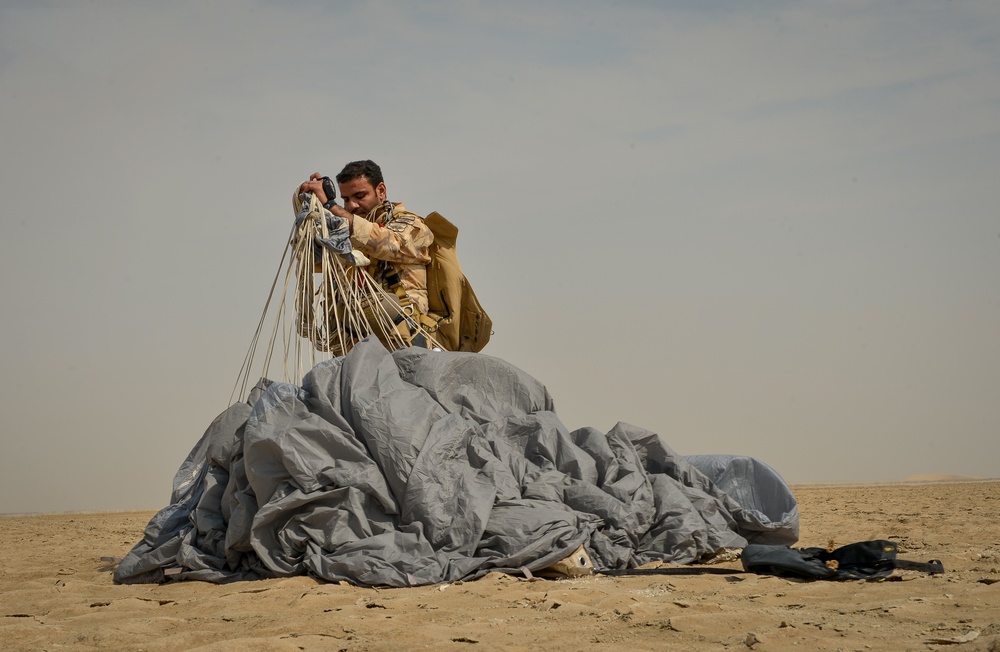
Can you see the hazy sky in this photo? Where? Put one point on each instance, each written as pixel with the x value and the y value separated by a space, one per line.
pixel 765 228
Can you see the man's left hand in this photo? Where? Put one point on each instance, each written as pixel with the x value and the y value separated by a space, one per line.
pixel 315 186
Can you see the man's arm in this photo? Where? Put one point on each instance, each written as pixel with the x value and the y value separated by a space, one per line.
pixel 405 240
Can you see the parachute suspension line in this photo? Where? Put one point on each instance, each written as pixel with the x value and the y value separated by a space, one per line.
pixel 242 380
pixel 281 320
pixel 328 302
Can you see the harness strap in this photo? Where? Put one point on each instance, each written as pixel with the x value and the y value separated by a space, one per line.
pixel 933 567
pixel 673 570
pixel 428 323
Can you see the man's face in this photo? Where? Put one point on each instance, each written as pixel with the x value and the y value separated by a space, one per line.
pixel 360 197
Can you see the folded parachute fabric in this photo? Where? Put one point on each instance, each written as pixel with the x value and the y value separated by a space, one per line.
pixel 421 467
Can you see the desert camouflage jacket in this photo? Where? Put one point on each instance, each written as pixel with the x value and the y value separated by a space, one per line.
pixel 396 240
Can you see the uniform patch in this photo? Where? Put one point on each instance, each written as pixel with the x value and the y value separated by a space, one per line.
pixel 399 225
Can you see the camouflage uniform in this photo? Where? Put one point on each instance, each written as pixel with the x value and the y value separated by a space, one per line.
pixel 397 241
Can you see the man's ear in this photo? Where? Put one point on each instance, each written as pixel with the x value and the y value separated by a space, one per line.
pixel 380 191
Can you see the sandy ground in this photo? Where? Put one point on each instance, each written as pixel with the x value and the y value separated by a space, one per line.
pixel 55 593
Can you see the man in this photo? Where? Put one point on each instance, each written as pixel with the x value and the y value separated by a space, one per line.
pixel 396 240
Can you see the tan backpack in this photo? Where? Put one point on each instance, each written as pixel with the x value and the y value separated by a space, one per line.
pixel 459 322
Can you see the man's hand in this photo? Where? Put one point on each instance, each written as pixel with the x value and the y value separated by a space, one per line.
pixel 315 186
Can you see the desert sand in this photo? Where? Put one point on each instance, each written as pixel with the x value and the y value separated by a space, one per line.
pixel 56 593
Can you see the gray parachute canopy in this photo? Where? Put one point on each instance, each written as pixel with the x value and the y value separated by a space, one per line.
pixel 421 467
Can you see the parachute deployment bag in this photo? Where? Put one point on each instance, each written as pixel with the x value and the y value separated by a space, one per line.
pixel 459 321
pixel 865 560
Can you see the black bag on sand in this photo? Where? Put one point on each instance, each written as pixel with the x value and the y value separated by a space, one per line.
pixel 867 560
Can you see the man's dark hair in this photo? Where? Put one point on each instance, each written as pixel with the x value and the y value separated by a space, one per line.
pixel 358 169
